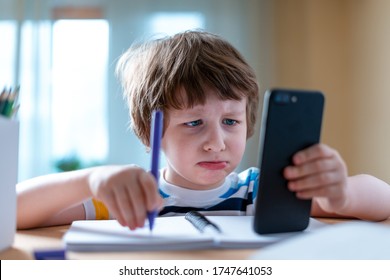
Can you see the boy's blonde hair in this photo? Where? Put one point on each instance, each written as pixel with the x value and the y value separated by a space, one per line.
pixel 152 73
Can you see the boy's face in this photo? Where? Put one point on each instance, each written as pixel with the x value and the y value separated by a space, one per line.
pixel 205 143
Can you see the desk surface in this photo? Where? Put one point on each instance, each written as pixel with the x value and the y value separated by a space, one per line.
pixel 26 241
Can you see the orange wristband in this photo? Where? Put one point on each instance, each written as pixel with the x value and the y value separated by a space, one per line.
pixel 101 210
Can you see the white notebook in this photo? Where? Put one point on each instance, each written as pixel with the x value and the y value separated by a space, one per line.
pixel 171 233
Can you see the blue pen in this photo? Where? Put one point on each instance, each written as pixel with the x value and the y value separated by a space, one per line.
pixel 155 143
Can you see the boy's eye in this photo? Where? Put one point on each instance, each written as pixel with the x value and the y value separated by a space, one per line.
pixel 229 122
pixel 194 123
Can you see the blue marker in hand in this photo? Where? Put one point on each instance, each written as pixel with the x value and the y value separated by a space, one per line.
pixel 155 144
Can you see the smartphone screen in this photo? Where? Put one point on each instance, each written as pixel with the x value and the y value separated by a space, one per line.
pixel 291 121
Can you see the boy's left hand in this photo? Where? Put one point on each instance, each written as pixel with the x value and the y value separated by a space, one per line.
pixel 320 173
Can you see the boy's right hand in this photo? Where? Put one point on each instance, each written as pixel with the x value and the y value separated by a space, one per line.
pixel 129 192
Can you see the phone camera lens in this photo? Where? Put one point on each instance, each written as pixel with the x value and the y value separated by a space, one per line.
pixel 294 99
pixel 282 98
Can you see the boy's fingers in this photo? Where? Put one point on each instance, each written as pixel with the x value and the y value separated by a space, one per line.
pixel 126 207
pixel 313 167
pixel 137 200
pixel 149 187
pixel 326 191
pixel 316 181
pixel 311 153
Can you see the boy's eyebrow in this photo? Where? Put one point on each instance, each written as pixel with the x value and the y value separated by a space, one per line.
pixel 191 114
pixel 195 112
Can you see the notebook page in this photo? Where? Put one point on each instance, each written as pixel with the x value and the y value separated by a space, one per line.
pixel 171 233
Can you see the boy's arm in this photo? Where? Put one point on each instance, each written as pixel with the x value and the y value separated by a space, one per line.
pixel 127 191
pixel 367 198
pixel 52 199
pixel 67 216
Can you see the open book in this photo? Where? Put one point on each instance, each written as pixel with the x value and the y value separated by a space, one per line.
pixel 170 233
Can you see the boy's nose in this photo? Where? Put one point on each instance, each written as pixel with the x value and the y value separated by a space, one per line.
pixel 215 140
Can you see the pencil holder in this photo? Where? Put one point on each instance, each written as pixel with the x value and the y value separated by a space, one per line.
pixel 9 147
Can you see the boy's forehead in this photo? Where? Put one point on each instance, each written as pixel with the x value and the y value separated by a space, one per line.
pixel 212 101
pixel 210 93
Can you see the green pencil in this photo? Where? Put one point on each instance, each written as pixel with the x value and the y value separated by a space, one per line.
pixel 9 103
pixel 3 98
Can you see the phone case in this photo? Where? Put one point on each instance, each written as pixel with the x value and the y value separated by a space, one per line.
pixel 291 121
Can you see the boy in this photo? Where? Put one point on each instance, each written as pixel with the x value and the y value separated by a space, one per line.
pixel 209 96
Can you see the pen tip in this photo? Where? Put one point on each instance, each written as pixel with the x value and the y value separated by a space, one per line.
pixel 151 216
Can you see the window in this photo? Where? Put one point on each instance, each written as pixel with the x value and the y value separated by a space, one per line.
pixel 63 80
pixel 79 77
pixel 7 53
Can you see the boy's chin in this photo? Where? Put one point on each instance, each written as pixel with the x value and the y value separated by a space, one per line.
pixel 211 179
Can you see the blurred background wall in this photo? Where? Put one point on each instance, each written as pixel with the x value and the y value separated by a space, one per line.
pixel 337 46
pixel 342 48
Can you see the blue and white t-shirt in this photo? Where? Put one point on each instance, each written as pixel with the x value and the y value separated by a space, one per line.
pixel 235 197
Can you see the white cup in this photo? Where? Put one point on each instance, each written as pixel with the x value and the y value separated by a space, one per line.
pixel 9 146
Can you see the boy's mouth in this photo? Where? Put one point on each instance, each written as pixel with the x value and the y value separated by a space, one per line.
pixel 213 165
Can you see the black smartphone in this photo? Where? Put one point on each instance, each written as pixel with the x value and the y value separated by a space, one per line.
pixel 291 121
